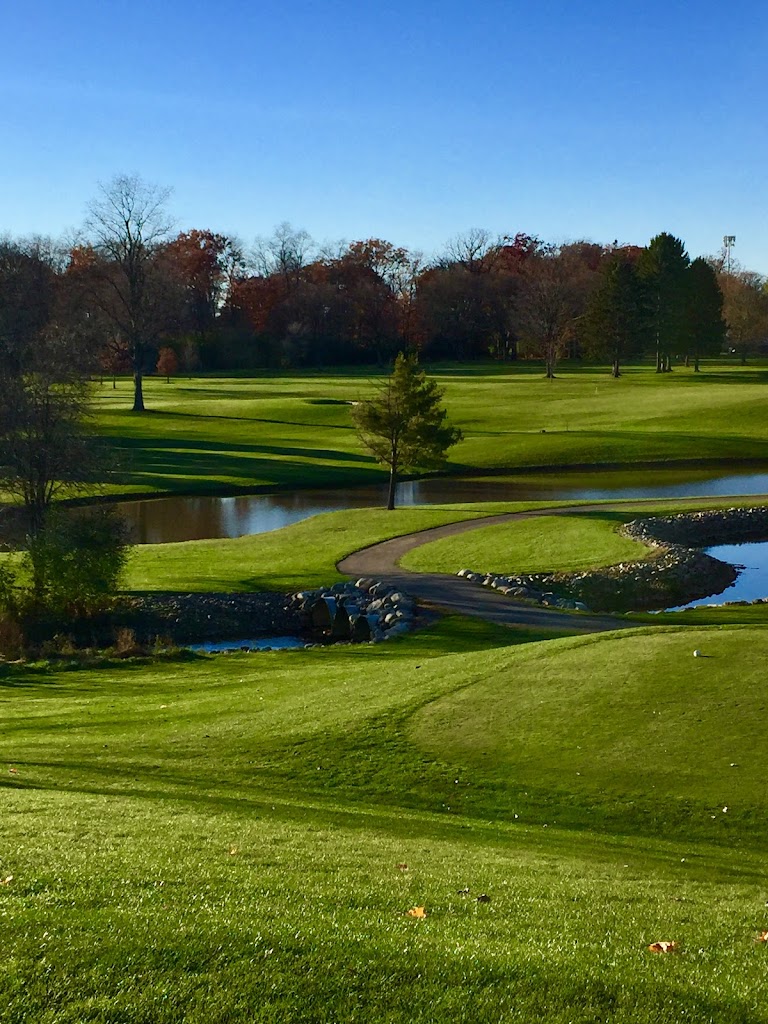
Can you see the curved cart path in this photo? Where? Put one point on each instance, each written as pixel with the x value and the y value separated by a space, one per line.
pixel 454 594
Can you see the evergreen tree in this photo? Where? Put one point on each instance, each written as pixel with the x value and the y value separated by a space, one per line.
pixel 662 268
pixel 706 326
pixel 405 425
pixel 613 323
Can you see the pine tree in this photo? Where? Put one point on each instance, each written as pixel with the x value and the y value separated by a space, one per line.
pixel 662 268
pixel 405 426
pixel 613 323
pixel 706 326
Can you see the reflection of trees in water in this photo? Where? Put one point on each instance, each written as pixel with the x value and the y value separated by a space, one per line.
pixel 162 520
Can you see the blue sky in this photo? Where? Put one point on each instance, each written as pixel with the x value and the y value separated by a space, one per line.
pixel 411 122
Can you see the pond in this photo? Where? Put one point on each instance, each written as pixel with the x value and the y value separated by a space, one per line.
pixel 273 643
pixel 752 583
pixel 162 520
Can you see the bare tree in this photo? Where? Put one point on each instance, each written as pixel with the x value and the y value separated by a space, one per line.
pixel 477 250
pixel 285 254
pixel 135 288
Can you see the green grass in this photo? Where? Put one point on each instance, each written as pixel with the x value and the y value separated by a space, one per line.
pixel 226 434
pixel 218 840
pixel 303 555
pixel 566 543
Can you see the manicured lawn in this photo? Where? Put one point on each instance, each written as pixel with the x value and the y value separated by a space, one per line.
pixel 294 429
pixel 567 543
pixel 240 838
pixel 303 555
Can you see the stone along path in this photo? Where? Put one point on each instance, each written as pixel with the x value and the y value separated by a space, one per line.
pixel 454 594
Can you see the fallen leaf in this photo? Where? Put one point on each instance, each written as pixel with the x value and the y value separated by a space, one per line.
pixel 663 947
pixel 233 850
pixel 402 867
pixel 463 892
pixel 483 898
pixel 762 937
pixel 13 771
pixel 6 880
pixel 419 912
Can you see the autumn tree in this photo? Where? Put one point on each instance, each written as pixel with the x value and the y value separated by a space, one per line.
pixel 207 264
pixel 167 363
pixel 745 309
pixel 405 426
pixel 133 286
pixel 662 267
pixel 555 285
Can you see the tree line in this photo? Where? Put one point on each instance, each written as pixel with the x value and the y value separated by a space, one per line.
pixel 131 296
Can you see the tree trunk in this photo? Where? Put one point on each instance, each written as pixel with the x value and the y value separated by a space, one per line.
pixel 695 364
pixel 615 369
pixel 138 392
pixel 687 360
pixel 392 485
pixel 659 361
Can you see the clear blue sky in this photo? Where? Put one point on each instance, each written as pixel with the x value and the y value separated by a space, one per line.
pixel 407 121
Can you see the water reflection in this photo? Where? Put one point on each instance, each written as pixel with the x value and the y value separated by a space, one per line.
pixel 161 520
pixel 752 582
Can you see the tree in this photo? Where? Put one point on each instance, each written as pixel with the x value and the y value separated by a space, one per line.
pixel 662 267
pixel 706 327
pixel 405 426
pixel 45 445
pixel 167 363
pixel 76 560
pixel 612 326
pixel 745 307
pixel 556 282
pixel 134 286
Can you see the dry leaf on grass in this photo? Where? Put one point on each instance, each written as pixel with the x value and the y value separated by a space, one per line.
pixel 762 937
pixel 483 898
pixel 418 912
pixel 663 947
pixel 6 880
pixel 402 867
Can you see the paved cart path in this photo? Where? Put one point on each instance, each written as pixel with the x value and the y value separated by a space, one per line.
pixel 454 594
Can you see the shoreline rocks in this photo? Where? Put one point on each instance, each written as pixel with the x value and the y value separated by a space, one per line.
pixel 363 611
pixel 676 572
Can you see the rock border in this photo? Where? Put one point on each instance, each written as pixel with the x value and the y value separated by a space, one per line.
pixel 368 610
pixel 676 573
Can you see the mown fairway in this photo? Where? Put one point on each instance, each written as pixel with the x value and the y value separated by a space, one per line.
pixel 237 839
pixel 294 430
pixel 240 838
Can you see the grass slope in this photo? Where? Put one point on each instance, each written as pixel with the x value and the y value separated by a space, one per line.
pixel 294 429
pixel 239 838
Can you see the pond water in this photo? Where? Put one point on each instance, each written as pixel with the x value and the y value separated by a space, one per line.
pixel 161 520
pixel 275 643
pixel 752 582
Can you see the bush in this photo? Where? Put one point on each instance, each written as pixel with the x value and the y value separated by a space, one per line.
pixel 76 560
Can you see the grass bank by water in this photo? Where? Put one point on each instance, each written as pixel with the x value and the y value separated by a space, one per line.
pixel 294 429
